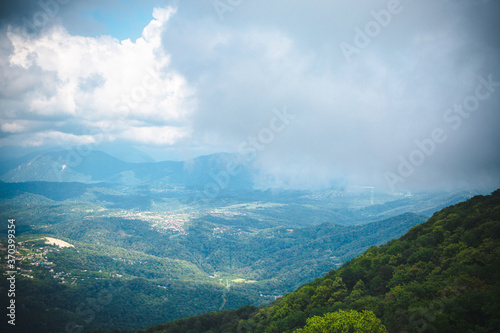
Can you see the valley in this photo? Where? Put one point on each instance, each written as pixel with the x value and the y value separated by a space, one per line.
pixel 232 166
pixel 440 276
pixel 148 248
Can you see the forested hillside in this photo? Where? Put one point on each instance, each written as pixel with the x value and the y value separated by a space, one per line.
pixel 132 269
pixel 441 276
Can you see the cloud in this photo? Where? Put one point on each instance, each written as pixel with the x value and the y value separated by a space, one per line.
pixel 154 135
pixel 354 118
pixel 101 82
pixel 12 127
pixel 195 84
pixel 51 138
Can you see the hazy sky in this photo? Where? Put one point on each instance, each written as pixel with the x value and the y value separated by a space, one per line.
pixel 394 94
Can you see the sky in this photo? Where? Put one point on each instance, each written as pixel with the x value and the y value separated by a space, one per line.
pixel 398 95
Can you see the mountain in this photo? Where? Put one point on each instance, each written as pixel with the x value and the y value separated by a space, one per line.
pixel 290 208
pixel 66 166
pixel 203 183
pixel 97 166
pixel 161 265
pixel 176 239
pixel 125 153
pixel 441 276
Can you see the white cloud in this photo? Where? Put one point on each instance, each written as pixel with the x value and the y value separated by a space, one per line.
pixel 193 81
pixel 12 127
pixel 44 138
pixel 154 135
pixel 100 79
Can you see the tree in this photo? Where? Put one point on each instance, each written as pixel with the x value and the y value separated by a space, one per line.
pixel 344 322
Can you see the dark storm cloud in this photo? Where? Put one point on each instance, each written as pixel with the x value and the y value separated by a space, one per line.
pixel 12 11
pixel 31 16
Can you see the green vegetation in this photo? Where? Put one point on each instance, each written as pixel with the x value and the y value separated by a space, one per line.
pixel 107 287
pixel 344 322
pixel 162 265
pixel 441 276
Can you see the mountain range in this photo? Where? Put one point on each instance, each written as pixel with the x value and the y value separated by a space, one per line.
pixel 96 166
pixel 441 276
pixel 175 239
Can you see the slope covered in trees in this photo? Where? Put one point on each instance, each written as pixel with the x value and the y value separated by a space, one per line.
pixel 441 276
pixel 156 266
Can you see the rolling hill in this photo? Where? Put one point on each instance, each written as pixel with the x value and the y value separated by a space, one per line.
pixel 441 276
pixel 166 265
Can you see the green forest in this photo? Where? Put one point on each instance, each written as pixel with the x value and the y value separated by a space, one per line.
pixel 131 269
pixel 441 276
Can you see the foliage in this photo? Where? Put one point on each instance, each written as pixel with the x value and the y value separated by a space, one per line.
pixel 344 322
pixel 127 273
pixel 160 275
pixel 441 276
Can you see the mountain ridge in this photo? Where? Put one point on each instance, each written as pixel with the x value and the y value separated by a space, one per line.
pixel 97 166
pixel 441 276
pixel 260 262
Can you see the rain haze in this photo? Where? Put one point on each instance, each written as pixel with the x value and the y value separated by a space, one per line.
pixel 400 95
